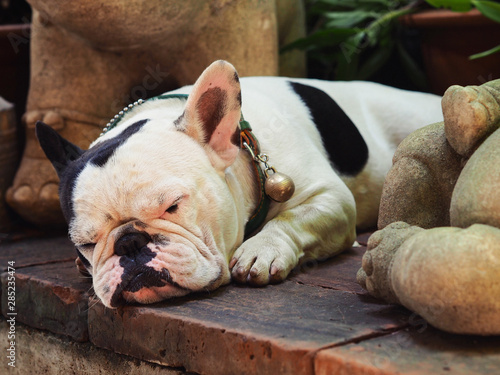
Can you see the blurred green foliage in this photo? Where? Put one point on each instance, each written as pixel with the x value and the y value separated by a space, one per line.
pixel 354 39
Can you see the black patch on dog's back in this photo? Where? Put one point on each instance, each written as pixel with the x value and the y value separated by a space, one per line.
pixel 346 147
pixel 98 156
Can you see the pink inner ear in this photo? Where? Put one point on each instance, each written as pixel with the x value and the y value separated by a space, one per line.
pixel 213 111
pixel 222 129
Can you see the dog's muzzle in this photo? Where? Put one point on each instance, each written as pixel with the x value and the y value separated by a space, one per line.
pixel 134 258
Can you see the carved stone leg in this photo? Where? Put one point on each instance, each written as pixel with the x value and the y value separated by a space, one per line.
pixel 450 277
pixel 476 198
pixel 418 188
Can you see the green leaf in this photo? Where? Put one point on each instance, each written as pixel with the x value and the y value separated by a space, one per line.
pixel 350 19
pixel 485 53
pixel 341 3
pixel 455 5
pixel 490 9
pixel 351 48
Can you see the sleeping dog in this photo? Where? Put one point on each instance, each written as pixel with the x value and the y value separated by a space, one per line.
pixel 229 179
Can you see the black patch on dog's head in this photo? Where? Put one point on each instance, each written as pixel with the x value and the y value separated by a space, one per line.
pixel 346 147
pixel 98 156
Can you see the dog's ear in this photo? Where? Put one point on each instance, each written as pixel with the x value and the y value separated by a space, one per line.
pixel 57 149
pixel 213 111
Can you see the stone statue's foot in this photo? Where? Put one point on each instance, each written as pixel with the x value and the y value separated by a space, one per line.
pixel 34 191
pixel 375 274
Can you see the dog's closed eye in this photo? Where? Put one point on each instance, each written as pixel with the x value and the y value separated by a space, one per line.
pixel 86 247
pixel 172 209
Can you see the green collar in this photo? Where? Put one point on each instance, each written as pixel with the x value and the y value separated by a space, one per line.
pixel 248 142
pixel 251 144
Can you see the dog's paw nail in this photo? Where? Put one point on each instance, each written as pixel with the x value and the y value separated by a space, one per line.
pixel 254 272
pixel 274 270
pixel 367 264
pixel 240 271
pixel 232 263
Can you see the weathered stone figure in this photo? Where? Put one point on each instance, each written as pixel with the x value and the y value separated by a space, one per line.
pixel 91 58
pixel 438 250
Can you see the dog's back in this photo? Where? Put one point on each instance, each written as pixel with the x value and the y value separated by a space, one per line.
pixel 359 124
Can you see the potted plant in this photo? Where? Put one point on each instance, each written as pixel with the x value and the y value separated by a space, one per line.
pixel 358 39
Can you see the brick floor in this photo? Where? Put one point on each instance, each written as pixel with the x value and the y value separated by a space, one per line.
pixel 319 321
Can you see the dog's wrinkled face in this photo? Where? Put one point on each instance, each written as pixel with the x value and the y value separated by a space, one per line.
pixel 148 207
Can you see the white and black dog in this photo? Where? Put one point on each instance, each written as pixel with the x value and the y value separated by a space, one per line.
pixel 158 205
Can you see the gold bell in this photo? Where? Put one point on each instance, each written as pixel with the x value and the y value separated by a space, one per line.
pixel 278 186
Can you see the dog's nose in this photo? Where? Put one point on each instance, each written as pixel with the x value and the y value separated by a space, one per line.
pixel 131 243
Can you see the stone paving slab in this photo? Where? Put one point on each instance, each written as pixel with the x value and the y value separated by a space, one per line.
pixel 38 352
pixel 271 330
pixel 337 273
pixel 51 296
pixel 319 321
pixel 32 251
pixel 418 350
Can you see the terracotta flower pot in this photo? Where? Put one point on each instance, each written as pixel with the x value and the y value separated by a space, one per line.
pixel 448 39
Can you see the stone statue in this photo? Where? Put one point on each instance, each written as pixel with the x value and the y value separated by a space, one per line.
pixel 438 250
pixel 91 58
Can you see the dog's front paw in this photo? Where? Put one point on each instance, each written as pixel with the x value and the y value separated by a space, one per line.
pixel 375 276
pixel 262 260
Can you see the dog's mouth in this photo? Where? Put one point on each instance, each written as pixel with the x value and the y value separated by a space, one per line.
pixel 139 278
pixel 146 278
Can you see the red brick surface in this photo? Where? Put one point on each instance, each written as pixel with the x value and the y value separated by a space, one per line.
pixel 33 251
pixel 268 330
pixel 336 273
pixel 52 297
pixel 418 350
pixel 317 322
